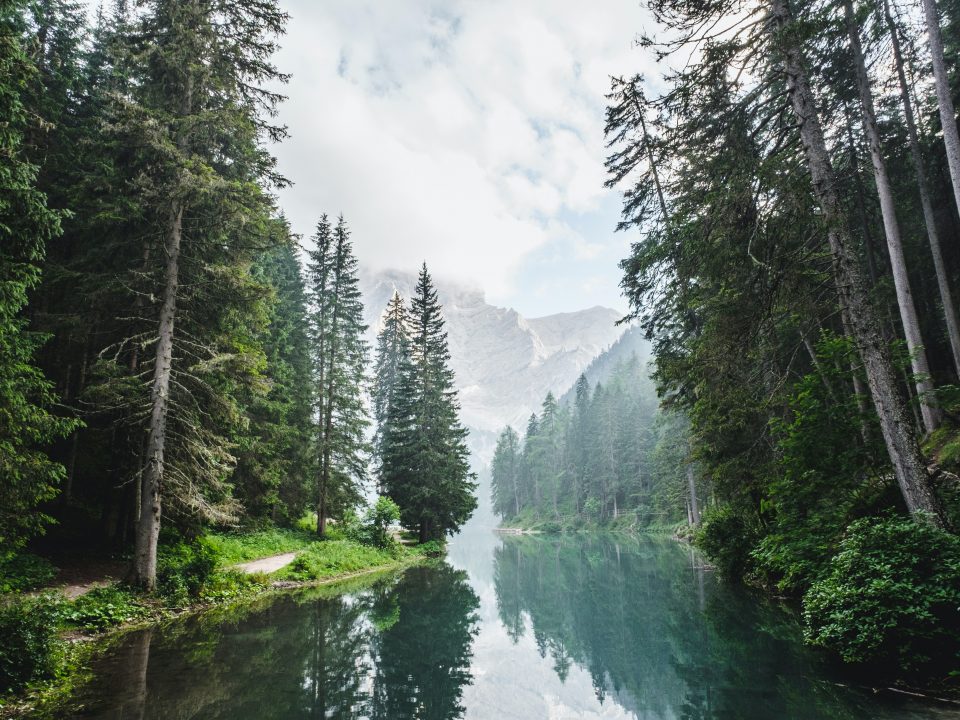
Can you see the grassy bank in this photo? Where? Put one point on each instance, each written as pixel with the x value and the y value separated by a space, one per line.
pixel 48 641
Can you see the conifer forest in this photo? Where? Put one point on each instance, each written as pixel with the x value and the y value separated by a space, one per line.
pixel 267 449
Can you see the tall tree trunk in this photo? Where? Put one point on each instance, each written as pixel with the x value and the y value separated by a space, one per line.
pixel 694 501
pixel 861 194
pixel 898 265
pixel 898 435
pixel 861 392
pixel 948 117
pixel 929 218
pixel 148 527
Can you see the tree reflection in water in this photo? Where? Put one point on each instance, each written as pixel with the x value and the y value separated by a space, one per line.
pixel 658 635
pixel 398 649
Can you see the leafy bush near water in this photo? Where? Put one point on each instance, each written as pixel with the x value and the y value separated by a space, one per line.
pixel 727 538
pixel 890 595
pixel 29 647
pixel 183 568
pixel 104 607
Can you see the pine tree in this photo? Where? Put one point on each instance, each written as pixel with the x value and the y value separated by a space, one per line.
pixel 505 474
pixel 340 354
pixel 425 465
pixel 393 349
pixel 27 474
pixel 275 468
pixel 202 114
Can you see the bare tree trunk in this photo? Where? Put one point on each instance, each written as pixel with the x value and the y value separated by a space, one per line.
pixel 148 527
pixel 948 116
pixel 694 502
pixel 898 435
pixel 929 218
pixel 862 393
pixel 898 265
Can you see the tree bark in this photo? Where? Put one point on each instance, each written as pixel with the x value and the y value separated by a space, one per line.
pixel 948 116
pixel 898 435
pixel 148 527
pixel 929 218
pixel 694 502
pixel 891 226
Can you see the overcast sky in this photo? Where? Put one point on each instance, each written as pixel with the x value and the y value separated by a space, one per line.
pixel 465 133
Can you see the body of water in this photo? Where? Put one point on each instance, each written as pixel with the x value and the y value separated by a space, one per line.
pixel 508 627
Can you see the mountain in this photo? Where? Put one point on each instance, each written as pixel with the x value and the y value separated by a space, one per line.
pixel 631 343
pixel 505 364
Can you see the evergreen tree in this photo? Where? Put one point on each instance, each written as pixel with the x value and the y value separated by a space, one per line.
pixel 275 463
pixel 425 463
pixel 505 474
pixel 340 354
pixel 27 474
pixel 203 115
pixel 393 350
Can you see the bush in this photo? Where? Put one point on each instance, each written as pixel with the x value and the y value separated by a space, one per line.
pixel 23 571
pixel 184 567
pixel 891 595
pixel 103 607
pixel 374 528
pixel 727 539
pixel 29 647
pixel 431 548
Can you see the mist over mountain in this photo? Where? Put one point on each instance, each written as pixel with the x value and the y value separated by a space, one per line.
pixel 504 363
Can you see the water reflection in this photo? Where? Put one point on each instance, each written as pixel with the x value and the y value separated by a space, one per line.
pixel 399 649
pixel 510 629
pixel 659 637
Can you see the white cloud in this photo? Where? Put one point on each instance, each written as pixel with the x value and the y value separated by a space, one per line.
pixel 453 131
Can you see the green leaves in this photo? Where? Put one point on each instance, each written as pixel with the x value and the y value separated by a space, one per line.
pixel 891 596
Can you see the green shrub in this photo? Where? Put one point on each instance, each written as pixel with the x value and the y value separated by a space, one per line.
pixel 891 596
pixel 431 548
pixel 29 647
pixel 727 539
pixel 184 567
pixel 23 571
pixel 230 584
pixel 374 528
pixel 102 608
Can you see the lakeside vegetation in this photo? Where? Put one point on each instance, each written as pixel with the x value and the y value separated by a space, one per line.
pixel 176 389
pixel 48 640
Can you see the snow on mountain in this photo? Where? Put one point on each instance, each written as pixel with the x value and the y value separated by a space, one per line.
pixel 504 363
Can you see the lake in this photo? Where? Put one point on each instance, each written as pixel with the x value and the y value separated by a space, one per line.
pixel 508 627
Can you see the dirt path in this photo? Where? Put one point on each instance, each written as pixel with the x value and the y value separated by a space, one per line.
pixel 265 565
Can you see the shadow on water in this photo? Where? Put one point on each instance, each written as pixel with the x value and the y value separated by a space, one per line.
pixel 400 648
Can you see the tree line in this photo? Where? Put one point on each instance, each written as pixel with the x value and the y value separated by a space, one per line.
pixel 793 182
pixel 607 455
pixel 163 354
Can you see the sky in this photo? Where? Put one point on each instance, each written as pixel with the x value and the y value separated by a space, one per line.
pixel 464 133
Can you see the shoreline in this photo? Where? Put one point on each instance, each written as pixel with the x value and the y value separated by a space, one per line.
pixel 82 647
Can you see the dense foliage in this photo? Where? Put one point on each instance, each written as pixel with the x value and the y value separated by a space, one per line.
pixel 167 358
pixel 793 186
pixel 892 591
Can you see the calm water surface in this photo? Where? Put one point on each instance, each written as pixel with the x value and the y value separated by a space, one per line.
pixel 526 628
